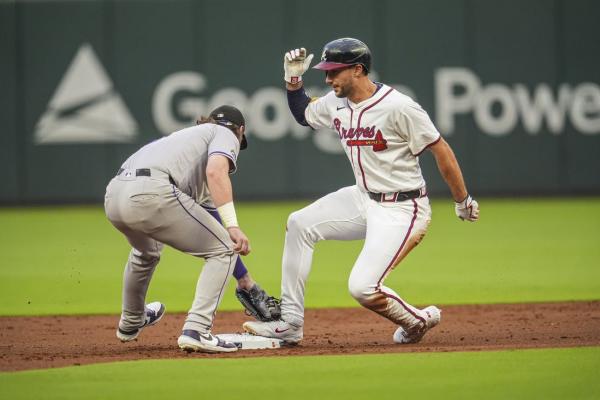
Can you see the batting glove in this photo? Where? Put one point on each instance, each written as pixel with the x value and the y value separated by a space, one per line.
pixel 468 209
pixel 295 63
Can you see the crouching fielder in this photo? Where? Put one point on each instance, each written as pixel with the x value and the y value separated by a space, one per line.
pixel 383 132
pixel 156 199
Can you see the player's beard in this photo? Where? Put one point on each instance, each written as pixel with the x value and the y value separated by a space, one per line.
pixel 342 91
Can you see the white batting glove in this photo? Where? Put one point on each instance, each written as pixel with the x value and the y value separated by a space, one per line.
pixel 295 63
pixel 468 209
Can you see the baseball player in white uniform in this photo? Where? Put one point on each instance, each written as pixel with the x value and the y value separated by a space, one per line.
pixel 156 199
pixel 383 132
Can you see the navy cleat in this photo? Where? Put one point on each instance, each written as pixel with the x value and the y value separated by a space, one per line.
pixel 154 313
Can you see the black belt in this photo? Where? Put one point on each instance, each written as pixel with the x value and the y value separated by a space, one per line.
pixel 138 172
pixel 395 197
pixel 144 172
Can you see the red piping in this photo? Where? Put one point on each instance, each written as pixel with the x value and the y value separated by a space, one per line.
pixel 362 172
pixel 391 264
pixel 412 223
pixel 358 126
pixel 428 146
pixel 351 147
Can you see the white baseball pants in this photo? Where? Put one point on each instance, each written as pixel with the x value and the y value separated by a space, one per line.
pixel 391 231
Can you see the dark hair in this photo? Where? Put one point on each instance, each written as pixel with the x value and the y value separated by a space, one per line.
pixel 208 120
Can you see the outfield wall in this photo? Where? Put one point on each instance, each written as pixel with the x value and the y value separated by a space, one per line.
pixel 513 86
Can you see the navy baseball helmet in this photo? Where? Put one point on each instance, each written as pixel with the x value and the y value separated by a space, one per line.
pixel 345 52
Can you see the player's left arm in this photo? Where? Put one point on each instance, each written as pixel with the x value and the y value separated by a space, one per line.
pixel 466 207
pixel 219 184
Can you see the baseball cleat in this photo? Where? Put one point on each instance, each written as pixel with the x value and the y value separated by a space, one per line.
pixel 279 329
pixel 433 317
pixel 191 340
pixel 154 313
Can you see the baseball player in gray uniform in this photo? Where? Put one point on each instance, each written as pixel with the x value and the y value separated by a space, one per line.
pixel 383 132
pixel 156 198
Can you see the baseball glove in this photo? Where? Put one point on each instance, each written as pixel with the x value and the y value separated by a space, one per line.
pixel 259 304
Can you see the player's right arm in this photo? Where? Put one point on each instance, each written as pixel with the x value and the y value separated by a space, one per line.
pixel 219 185
pixel 295 64
pixel 313 112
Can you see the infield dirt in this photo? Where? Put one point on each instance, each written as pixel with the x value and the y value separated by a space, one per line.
pixel 57 341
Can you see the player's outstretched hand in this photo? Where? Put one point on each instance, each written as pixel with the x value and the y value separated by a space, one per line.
pixel 468 209
pixel 240 241
pixel 295 63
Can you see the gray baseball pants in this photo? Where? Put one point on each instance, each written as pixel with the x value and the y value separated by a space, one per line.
pixel 151 211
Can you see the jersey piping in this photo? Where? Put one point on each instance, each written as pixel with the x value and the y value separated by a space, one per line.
pixel 391 265
pixel 230 157
pixel 429 145
pixel 362 172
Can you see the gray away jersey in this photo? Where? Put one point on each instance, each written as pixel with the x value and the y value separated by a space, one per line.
pixel 184 155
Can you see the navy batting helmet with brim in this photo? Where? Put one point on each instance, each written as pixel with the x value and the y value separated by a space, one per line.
pixel 345 52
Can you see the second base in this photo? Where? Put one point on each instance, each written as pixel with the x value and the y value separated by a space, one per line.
pixel 245 341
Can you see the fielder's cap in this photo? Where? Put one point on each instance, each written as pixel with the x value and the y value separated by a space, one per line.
pixel 344 52
pixel 228 116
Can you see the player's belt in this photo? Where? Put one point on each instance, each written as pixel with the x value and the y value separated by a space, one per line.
pixel 146 172
pixel 138 172
pixel 397 196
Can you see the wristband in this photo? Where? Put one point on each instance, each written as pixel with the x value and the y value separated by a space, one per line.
pixel 292 80
pixel 227 213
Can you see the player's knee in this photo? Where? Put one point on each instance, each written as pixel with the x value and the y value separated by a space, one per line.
pixel 295 222
pixel 300 227
pixel 298 224
pixel 359 290
pixel 145 258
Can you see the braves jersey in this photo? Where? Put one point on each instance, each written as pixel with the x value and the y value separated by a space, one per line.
pixel 382 137
pixel 184 155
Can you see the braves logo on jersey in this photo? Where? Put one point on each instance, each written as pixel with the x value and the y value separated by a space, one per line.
pixel 379 143
pixel 361 136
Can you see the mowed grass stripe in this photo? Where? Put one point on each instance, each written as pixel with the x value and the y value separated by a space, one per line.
pixel 526 374
pixel 69 260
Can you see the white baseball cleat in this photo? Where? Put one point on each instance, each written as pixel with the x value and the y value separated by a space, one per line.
pixel 433 317
pixel 191 340
pixel 154 312
pixel 279 329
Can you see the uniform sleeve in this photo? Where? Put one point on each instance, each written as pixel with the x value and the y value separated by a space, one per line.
pixel 317 114
pixel 226 144
pixel 297 101
pixel 417 128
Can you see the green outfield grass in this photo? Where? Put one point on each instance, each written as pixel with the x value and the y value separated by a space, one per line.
pixel 69 260
pixel 528 374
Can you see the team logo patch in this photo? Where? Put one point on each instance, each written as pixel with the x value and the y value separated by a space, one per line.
pixel 361 136
pixel 378 143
